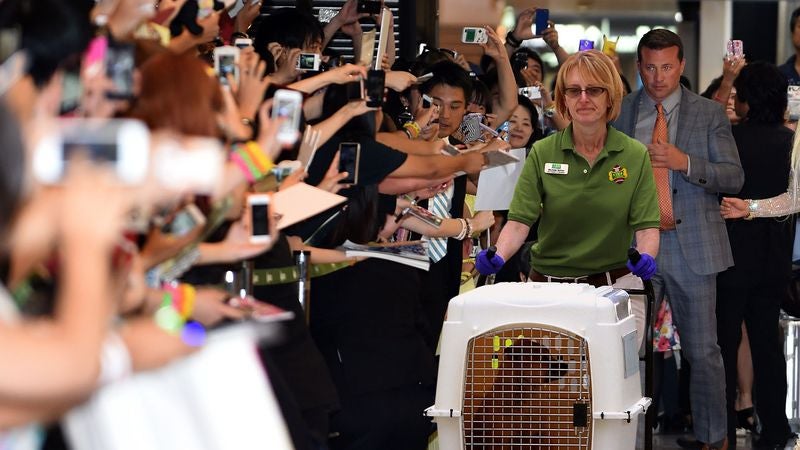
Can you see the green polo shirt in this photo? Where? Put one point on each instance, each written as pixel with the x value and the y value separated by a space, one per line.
pixel 587 214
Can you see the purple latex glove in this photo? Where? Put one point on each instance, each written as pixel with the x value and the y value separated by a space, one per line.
pixel 645 268
pixel 486 265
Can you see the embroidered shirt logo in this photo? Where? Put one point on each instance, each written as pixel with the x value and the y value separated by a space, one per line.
pixel 618 174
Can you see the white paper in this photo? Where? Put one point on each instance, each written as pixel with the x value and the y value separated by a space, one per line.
pixel 217 398
pixel 301 201
pixel 496 185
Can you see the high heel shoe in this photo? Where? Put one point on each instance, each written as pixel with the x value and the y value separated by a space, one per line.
pixel 744 419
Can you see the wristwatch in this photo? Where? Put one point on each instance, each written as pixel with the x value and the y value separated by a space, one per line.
pixel 550 111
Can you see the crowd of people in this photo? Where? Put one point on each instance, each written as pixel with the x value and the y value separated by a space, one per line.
pixel 101 276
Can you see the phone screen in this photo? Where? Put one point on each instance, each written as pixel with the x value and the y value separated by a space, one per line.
pixel 182 223
pixel 227 65
pixel 542 16
pixel 307 61
pixel 260 219
pixel 348 161
pixel 95 152
pixel 71 91
pixel 469 35
pixel 375 85
pixel 119 69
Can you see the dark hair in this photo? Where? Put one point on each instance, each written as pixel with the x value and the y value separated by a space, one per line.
pixel 530 53
pixel 712 88
pixel 480 95
pixel 428 59
pixel 51 31
pixel 289 27
pixel 450 74
pixel 793 20
pixel 762 86
pixel 12 167
pixel 537 134
pixel 659 39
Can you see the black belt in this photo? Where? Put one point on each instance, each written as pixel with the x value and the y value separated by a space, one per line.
pixel 595 279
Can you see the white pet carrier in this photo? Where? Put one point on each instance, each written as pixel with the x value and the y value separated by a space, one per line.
pixel 539 365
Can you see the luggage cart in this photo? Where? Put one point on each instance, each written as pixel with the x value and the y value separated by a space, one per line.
pixel 541 365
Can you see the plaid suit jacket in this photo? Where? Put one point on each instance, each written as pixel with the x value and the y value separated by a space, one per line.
pixel 704 133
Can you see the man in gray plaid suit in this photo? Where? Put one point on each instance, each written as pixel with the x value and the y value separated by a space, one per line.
pixel 698 158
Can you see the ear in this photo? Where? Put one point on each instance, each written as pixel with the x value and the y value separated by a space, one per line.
pixel 276 50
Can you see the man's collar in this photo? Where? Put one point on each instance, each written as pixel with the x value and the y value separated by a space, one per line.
pixel 669 103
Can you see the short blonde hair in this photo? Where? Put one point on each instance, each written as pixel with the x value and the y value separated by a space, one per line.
pixel 593 66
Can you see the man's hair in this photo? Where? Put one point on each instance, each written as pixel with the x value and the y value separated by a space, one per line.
pixel 762 86
pixel 289 27
pixel 659 39
pixel 50 32
pixel 450 74
pixel 793 20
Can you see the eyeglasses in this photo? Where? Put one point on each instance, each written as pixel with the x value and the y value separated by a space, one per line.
pixel 591 91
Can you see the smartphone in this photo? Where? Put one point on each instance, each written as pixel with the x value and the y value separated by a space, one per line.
pixel 423 78
pixel 520 61
pixel 288 104
pixel 119 62
pixel 309 62
pixel 735 48
pixel 184 221
pixel 426 101
pixel 532 92
pixel 259 218
pixel 470 128
pixel 474 35
pixel 327 14
pixel 376 80
pixel 226 62
pixel 241 43
pixel 349 160
pixel 355 90
pixel 542 17
pixel 71 91
pixel 585 44
pixel 238 6
pixel 119 143
pixel 384 35
pixel 369 6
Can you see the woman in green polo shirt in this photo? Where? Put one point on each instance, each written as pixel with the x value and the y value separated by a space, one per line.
pixel 590 186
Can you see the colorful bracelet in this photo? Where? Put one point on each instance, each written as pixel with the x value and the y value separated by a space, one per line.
pixel 251 160
pixel 413 128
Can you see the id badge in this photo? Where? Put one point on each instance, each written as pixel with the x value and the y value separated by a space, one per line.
pixel 556 168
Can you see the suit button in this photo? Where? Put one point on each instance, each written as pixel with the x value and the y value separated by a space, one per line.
pixel 678 222
pixel 674 191
pixel 702 181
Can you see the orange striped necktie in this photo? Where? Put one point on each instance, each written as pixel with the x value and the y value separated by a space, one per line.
pixel 661 174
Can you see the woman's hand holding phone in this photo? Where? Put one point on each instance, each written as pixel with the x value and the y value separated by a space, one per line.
pixel 252 83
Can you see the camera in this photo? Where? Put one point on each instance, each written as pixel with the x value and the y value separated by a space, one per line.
pixel 309 62
pixel 532 92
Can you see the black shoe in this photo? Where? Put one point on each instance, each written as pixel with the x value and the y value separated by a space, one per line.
pixel 745 419
pixel 761 442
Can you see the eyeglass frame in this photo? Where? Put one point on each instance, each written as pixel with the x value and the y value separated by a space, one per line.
pixel 577 92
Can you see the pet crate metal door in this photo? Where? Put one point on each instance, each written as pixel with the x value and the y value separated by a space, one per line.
pixel 527 387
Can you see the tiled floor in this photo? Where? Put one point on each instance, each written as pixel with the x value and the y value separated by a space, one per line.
pixel 668 441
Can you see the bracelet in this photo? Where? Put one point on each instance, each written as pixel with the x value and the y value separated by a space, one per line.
pixel 752 205
pixel 550 111
pixel 469 228
pixel 251 160
pixel 463 233
pixel 511 40
pixel 408 133
pixel 413 129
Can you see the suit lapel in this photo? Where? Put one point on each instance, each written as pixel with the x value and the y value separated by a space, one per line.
pixel 686 117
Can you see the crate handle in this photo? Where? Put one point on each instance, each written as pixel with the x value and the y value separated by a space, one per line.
pixel 637 408
pixel 433 412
